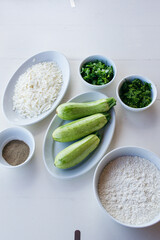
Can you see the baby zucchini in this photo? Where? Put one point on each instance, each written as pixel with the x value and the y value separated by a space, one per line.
pixel 72 110
pixel 76 152
pixel 80 128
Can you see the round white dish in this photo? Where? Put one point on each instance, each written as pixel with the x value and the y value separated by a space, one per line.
pixel 105 60
pixel 16 133
pixel 51 147
pixel 131 78
pixel 49 56
pixel 118 152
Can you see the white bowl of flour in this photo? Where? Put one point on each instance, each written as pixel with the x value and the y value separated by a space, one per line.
pixel 127 186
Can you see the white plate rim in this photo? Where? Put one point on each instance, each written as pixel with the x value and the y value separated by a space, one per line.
pixel 30 121
pixel 112 124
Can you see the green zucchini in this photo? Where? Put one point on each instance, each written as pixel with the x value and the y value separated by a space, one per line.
pixel 80 128
pixel 76 152
pixel 72 110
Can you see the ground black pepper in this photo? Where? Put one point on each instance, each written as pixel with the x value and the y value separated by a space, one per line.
pixel 15 152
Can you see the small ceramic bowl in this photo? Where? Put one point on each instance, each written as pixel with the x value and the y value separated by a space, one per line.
pixel 103 59
pixel 116 153
pixel 131 78
pixel 16 133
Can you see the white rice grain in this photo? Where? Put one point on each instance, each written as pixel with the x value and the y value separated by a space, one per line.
pixel 37 89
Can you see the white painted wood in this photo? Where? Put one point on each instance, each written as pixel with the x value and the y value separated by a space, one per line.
pixel 33 204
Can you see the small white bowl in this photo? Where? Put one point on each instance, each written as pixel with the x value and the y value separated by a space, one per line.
pixel 16 133
pixel 49 56
pixel 131 78
pixel 122 151
pixel 105 60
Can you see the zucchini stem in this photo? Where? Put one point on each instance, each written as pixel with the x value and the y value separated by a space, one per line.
pixel 111 102
pixel 107 115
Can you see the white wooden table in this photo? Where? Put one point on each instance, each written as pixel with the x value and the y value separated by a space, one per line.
pixel 33 204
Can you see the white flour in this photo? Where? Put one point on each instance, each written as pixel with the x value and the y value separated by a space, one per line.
pixel 129 189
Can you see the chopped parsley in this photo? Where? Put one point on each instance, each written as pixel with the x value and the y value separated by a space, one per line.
pixel 97 73
pixel 136 93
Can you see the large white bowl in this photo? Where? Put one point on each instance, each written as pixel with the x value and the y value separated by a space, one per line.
pixel 16 133
pixel 105 60
pixel 49 56
pixel 143 79
pixel 122 151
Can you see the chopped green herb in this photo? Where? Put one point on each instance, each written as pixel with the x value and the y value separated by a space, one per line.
pixel 136 93
pixel 97 73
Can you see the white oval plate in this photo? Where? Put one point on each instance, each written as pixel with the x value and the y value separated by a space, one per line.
pixel 49 56
pixel 51 147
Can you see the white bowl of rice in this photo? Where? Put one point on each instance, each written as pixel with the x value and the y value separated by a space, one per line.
pixel 127 186
pixel 36 88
